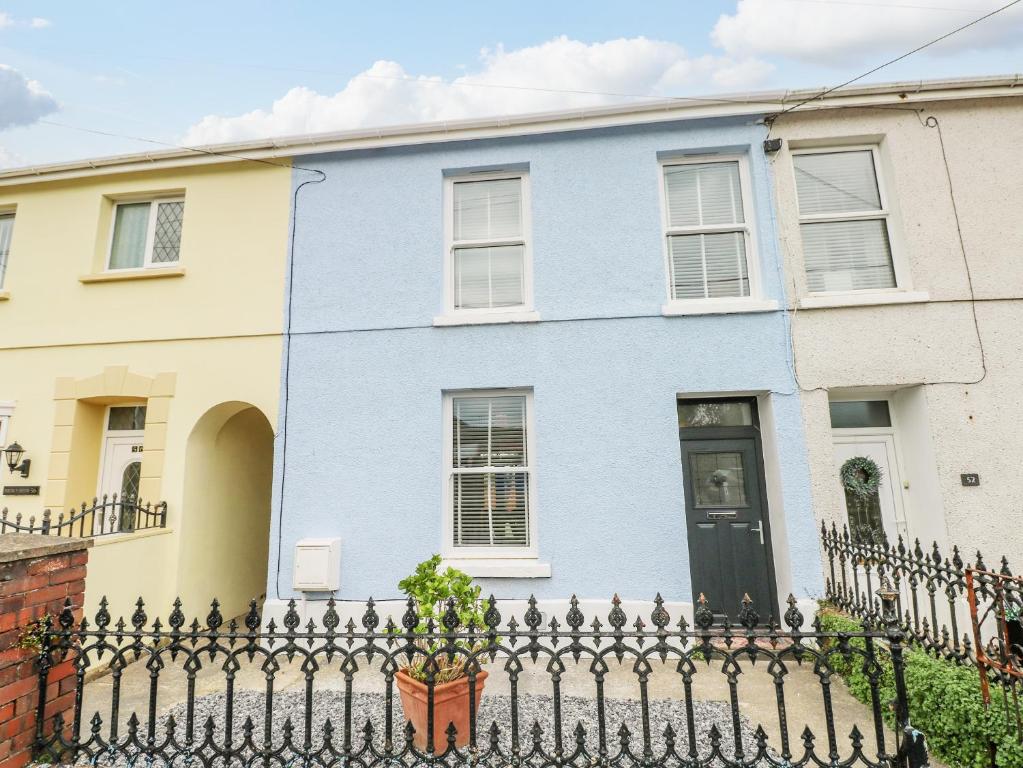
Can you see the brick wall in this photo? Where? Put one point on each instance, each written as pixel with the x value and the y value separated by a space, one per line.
pixel 37 574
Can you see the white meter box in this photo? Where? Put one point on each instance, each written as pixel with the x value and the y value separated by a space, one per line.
pixel 317 565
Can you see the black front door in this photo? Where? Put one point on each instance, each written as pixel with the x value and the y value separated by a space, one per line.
pixel 726 519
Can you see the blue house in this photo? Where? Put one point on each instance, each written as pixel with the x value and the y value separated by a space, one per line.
pixel 552 350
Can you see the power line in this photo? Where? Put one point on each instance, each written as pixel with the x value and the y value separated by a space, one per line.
pixel 879 67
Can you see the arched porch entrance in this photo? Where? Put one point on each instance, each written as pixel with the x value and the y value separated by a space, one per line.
pixel 226 512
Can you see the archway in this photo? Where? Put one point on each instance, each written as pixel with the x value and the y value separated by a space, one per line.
pixel 225 521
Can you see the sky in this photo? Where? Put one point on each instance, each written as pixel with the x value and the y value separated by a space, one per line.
pixel 189 73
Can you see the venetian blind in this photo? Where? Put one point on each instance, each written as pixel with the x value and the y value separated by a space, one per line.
pixel 490 472
pixel 488 275
pixel 843 254
pixel 710 264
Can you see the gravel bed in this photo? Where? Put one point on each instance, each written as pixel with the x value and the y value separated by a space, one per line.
pixel 494 707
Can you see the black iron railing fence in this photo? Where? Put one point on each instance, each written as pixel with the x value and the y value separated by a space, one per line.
pixel 340 707
pixel 102 517
pixel 954 609
pixel 933 600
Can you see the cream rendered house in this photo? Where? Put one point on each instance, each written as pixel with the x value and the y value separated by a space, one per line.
pixel 141 302
pixel 902 238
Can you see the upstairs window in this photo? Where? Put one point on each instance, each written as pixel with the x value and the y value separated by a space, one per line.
pixel 490 473
pixel 146 234
pixel 843 220
pixel 707 228
pixel 488 260
pixel 6 411
pixel 6 231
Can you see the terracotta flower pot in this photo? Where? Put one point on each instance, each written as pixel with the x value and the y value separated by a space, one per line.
pixel 450 705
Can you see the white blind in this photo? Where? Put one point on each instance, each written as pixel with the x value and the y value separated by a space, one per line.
pixel 843 254
pixel 712 264
pixel 837 182
pixel 709 266
pixel 490 472
pixel 488 210
pixel 6 231
pixel 128 249
pixel 847 255
pixel 705 194
pixel 486 278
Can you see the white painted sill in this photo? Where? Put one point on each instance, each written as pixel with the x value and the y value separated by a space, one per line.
pixel 501 568
pixel 486 318
pixel 862 299
pixel 717 307
pixel 117 275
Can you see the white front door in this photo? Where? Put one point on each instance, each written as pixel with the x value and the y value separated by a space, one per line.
pixel 884 509
pixel 121 474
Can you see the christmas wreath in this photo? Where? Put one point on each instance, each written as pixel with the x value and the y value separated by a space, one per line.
pixel 861 476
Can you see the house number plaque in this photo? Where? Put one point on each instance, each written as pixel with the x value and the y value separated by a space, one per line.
pixel 21 490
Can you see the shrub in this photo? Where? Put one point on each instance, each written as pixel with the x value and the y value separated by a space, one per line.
pixel 432 589
pixel 945 701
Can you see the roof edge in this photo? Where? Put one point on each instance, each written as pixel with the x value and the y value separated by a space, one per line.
pixel 661 110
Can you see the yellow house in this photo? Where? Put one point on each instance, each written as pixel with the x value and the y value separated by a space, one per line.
pixel 141 308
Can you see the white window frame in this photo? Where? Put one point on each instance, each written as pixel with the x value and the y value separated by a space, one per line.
pixel 6 264
pixel 885 214
pixel 6 412
pixel 147 256
pixel 521 313
pixel 448 549
pixel 755 302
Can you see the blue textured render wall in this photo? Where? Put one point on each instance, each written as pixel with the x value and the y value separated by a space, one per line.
pixel 368 371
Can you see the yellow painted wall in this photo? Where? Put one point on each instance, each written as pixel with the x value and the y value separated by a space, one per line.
pixel 184 344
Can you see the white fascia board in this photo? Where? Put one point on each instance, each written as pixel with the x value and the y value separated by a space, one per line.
pixel 283 149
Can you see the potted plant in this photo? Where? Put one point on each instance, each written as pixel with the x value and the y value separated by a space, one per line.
pixel 434 593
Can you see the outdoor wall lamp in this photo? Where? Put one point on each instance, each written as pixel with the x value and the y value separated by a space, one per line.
pixel 13 454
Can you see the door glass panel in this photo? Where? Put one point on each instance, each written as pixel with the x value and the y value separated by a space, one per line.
pixel 865 521
pixel 854 414
pixel 130 481
pixel 714 413
pixel 132 417
pixel 719 479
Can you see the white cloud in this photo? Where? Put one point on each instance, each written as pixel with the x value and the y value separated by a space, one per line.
pixel 6 20
pixel 10 159
pixel 22 101
pixel 839 34
pixel 40 23
pixel 386 94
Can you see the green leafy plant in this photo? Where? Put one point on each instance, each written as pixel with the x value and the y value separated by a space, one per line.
pixel 945 701
pixel 433 589
pixel 30 638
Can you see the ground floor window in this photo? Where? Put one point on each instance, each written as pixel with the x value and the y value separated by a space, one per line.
pixel 489 468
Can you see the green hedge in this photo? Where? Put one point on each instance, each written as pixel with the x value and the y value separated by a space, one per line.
pixel 944 702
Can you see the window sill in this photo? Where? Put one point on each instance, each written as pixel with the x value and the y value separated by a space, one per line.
pixel 498 568
pixel 115 276
pixel 5 295
pixel 717 307
pixel 488 318
pixel 862 299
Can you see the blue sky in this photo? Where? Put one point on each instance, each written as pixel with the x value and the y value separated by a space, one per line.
pixel 201 72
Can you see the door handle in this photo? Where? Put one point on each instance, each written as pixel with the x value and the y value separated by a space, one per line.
pixel 760 530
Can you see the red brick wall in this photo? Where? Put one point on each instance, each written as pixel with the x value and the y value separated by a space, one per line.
pixel 34 582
